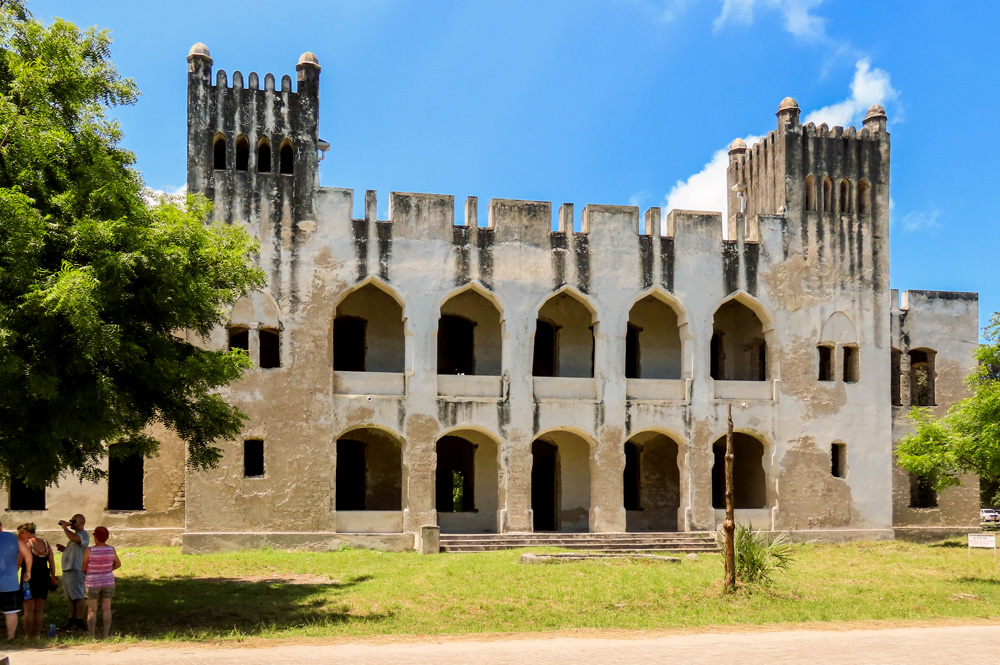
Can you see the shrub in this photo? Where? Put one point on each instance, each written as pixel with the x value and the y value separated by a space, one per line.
pixel 759 554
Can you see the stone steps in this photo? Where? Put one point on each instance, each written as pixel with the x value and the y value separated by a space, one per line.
pixel 680 542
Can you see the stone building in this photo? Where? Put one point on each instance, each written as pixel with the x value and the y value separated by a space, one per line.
pixel 517 367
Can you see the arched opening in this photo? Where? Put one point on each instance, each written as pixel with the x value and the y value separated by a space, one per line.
pixel 810 193
pixel 864 198
pixel 564 338
pixel 749 481
pixel 895 377
pixel 922 492
pixel 827 195
pixel 922 377
pixel 239 338
pixel 368 332
pixel 469 336
pixel 845 196
pixel 264 155
pixel 560 482
pixel 655 350
pixel 369 471
pixel 125 476
pixel 286 158
pixel 739 350
pixel 466 482
pixel 242 153
pixel 652 483
pixel 219 153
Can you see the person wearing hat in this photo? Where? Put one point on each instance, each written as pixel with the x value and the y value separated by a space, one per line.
pixel 100 560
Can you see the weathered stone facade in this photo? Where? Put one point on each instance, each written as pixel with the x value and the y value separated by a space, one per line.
pixel 519 371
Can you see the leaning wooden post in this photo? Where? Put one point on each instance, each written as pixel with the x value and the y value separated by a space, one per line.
pixel 729 526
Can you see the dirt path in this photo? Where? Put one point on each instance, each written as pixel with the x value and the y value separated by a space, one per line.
pixel 909 646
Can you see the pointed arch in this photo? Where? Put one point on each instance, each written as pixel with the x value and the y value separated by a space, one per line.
pixel 467 480
pixel 838 329
pixel 242 153
pixel 810 193
pixel 827 194
pixel 369 469
pixel 470 333
pixel 369 329
pixel 219 152
pixel 864 197
pixel 654 339
pixel 751 461
pixel 741 332
pixel 561 479
pixel 286 157
pixel 651 480
pixel 564 336
pixel 845 196
pixel 264 155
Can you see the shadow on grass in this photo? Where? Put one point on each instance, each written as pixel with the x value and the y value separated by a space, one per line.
pixel 992 581
pixel 207 608
pixel 950 543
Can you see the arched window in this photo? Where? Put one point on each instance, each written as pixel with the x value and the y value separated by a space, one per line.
pixel 255 326
pixel 369 473
pixel 368 332
pixel 651 483
pixel 864 198
pixel 564 338
pixel 560 482
pixel 827 195
pixel 242 153
pixel 810 193
pixel 264 156
pixel 652 341
pixel 469 337
pixel 286 158
pixel 739 351
pixel 219 153
pixel 456 475
pixel 749 479
pixel 845 196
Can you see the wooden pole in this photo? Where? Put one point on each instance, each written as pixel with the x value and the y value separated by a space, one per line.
pixel 729 526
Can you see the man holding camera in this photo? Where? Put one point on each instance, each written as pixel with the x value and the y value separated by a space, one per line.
pixel 73 578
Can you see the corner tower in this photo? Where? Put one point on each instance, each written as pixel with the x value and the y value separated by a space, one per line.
pixel 252 148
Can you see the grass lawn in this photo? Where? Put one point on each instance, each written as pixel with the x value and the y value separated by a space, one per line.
pixel 163 595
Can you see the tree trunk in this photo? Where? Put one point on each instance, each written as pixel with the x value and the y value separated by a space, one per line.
pixel 729 526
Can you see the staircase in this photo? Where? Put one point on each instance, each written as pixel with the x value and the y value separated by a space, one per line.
pixel 673 541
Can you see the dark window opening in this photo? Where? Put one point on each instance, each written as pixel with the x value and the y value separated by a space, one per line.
pixel 922 494
pixel 845 196
pixel 125 477
pixel 263 156
pixel 632 366
pixel 922 378
pixel 544 360
pixel 749 483
pixel 762 361
pixel 896 377
pixel 838 460
pixel 851 364
pixel 631 475
pixel 23 497
pixel 270 348
pixel 864 202
pixel 286 158
pixel 239 338
pixel 349 344
pixel 827 195
pixel 545 485
pixel 810 193
pixel 455 477
pixel 825 363
pixel 717 361
pixel 219 154
pixel 456 345
pixel 253 458
pixel 242 154
pixel 350 475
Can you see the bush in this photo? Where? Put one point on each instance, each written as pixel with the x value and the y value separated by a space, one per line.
pixel 759 554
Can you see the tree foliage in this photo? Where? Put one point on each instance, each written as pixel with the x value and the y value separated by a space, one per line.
pixel 967 438
pixel 95 282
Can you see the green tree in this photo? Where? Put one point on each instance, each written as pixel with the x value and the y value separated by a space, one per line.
pixel 967 438
pixel 95 282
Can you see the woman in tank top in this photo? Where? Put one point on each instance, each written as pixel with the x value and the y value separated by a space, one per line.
pixel 100 560
pixel 43 570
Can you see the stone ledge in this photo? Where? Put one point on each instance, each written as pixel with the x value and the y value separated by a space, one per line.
pixel 930 534
pixel 204 542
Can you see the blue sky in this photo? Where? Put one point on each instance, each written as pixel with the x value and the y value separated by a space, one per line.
pixel 600 101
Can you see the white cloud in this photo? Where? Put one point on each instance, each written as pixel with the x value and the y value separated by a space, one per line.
pixel 172 194
pixel 920 221
pixel 663 10
pixel 706 189
pixel 869 86
pixel 797 14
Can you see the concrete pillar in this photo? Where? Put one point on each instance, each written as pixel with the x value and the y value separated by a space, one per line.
pixel 429 539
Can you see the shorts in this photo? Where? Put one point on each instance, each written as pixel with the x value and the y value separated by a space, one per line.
pixel 10 602
pixel 98 592
pixel 73 584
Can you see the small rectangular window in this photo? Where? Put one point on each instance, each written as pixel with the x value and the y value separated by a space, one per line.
pixel 825 363
pixel 851 364
pixel 253 458
pixel 23 497
pixel 838 460
pixel 239 338
pixel 270 348
pixel 125 476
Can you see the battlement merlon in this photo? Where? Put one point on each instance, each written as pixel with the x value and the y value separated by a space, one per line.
pixel 804 168
pixel 255 116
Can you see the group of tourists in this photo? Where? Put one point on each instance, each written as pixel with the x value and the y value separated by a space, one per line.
pixel 28 574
